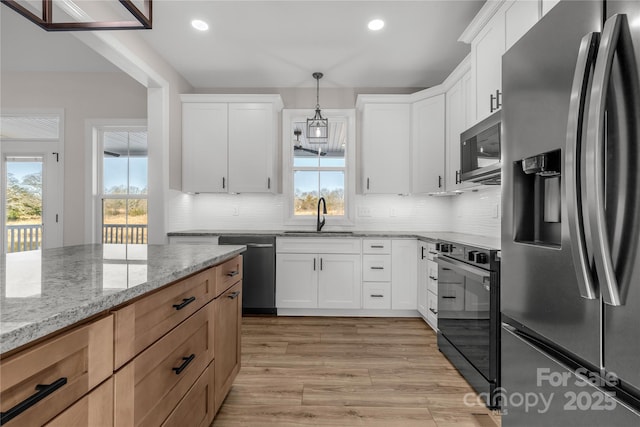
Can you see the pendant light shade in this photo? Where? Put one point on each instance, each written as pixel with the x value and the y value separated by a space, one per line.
pixel 317 127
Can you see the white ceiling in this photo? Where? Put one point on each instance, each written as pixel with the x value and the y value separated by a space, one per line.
pixel 275 44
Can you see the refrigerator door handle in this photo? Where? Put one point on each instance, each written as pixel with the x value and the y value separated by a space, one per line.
pixel 595 157
pixel 573 168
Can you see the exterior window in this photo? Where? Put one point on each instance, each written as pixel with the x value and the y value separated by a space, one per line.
pixel 319 170
pixel 123 210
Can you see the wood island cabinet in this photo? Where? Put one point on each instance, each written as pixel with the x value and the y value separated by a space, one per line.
pixel 167 358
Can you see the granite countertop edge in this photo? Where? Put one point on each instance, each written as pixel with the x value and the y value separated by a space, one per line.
pixel 480 241
pixel 22 335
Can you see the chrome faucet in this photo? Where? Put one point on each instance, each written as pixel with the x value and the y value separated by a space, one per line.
pixel 320 224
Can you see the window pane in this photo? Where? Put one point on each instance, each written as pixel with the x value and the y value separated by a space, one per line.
pixel 125 162
pixel 30 127
pixel 332 189
pixel 137 230
pixel 138 159
pixel 23 203
pixel 305 184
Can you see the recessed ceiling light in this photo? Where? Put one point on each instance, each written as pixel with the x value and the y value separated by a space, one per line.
pixel 199 25
pixel 376 24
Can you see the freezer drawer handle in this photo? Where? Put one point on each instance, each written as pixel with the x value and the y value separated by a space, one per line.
pixel 185 302
pixel 43 390
pixel 185 363
pixel 234 295
pixel 233 273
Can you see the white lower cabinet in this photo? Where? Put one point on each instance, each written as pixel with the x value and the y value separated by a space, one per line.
pixel 404 274
pixel 296 281
pixel 330 280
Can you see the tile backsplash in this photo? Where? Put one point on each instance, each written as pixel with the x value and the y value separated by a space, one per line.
pixel 471 212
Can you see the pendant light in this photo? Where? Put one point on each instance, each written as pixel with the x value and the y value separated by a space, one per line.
pixel 317 127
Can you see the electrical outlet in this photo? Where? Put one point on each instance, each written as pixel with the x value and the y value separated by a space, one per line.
pixel 236 210
pixel 364 212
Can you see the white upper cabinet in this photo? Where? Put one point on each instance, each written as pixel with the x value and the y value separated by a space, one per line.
pixel 429 145
pixel 229 143
pixel 386 148
pixel 251 148
pixel 497 27
pixel 204 147
pixel 486 58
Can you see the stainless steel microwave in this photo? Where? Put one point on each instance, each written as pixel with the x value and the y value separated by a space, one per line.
pixel 480 151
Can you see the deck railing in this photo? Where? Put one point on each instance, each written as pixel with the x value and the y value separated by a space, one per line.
pixel 25 237
pixel 29 237
pixel 124 233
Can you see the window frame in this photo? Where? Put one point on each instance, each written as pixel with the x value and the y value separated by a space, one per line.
pixel 290 116
pixel 95 191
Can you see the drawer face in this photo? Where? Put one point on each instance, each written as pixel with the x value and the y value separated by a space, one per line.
pixel 72 363
pixel 376 246
pixel 376 296
pixel 152 384
pixel 324 245
pixel 432 254
pixel 140 324
pixel 228 274
pixel 94 409
pixel 376 268
pixel 432 310
pixel 432 285
pixel 197 407
pixel 432 269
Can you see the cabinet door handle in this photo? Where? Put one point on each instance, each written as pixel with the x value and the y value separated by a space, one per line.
pixel 320 264
pixel 233 273
pixel 43 390
pixel 498 99
pixel 367 183
pixel 422 256
pixel 223 182
pixel 439 181
pixel 314 264
pixel 458 180
pixel 377 268
pixel 433 311
pixel 233 295
pixel 268 183
pixel 185 363
pixel 491 99
pixel 185 302
pixel 377 296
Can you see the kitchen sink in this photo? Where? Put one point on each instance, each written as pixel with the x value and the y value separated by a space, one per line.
pixel 318 232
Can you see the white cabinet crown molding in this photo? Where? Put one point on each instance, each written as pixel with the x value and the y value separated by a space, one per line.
pixel 275 99
pixel 480 20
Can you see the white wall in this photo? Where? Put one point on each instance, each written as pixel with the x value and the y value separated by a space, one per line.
pixel 82 96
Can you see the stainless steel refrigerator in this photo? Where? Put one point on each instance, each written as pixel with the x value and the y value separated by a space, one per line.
pixel 570 294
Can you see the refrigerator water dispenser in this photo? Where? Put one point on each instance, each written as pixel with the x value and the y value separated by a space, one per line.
pixel 537 199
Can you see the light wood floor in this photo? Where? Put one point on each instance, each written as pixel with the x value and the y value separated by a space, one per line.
pixel 327 371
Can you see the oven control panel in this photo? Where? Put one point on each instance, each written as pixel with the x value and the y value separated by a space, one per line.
pixel 468 254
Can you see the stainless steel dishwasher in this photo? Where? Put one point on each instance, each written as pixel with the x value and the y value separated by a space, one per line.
pixel 259 271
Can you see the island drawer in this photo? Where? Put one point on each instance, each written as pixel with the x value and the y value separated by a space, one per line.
pixel 143 322
pixel 149 387
pixel 55 373
pixel 197 407
pixel 95 409
pixel 227 274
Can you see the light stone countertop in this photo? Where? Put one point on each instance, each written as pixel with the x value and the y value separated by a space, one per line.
pixel 44 291
pixel 485 242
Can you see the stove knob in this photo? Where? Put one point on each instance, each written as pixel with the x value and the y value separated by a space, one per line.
pixel 482 258
pixel 471 256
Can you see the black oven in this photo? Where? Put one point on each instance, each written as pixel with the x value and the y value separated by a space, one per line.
pixel 480 151
pixel 469 314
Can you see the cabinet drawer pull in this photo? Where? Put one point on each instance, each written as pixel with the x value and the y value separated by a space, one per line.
pixel 449 297
pixel 185 363
pixel 233 273
pixel 433 311
pixel 433 253
pixel 377 268
pixel 433 278
pixel 185 302
pixel 377 246
pixel 43 390
pixel 377 296
pixel 233 295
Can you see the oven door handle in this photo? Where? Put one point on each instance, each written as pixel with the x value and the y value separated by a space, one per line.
pixel 466 270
